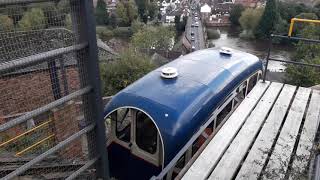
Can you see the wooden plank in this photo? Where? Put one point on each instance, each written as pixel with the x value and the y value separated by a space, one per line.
pixel 231 160
pixel 204 164
pixel 280 157
pixel 258 154
pixel 309 130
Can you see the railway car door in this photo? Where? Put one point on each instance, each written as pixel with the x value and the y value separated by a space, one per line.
pixel 134 152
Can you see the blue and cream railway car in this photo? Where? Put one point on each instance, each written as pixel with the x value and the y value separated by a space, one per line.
pixel 150 121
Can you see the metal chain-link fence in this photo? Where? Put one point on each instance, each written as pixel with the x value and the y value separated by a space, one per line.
pixel 50 101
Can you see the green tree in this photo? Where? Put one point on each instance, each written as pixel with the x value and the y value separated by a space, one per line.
pixel 235 14
pixel 268 20
pixel 122 12
pixel 113 21
pixel 307 53
pixel 136 25
pixel 249 21
pixel 6 23
pixel 124 71
pixel 154 37
pixel 15 12
pixel 101 13
pixel 33 19
pixel 68 21
pixel 132 11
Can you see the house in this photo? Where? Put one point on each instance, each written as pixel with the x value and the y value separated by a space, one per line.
pixel 205 11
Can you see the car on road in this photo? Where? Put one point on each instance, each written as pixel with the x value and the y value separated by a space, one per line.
pixel 193 48
pixel 196 24
pixel 192 33
pixel 192 38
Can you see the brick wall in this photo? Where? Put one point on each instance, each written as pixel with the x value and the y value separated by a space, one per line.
pixel 25 92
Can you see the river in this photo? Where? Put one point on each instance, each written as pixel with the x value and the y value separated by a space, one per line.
pixel 229 37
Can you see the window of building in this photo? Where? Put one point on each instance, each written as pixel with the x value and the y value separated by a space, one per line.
pixel 146 133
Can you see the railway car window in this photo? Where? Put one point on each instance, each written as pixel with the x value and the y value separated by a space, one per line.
pixel 224 113
pixel 146 133
pixel 123 124
pixel 252 82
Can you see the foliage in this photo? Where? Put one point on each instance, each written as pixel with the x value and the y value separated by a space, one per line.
pixel 307 53
pixel 136 25
pixel 104 33
pixel 101 13
pixel 235 14
pixel 122 32
pixel 6 23
pixel 127 12
pixel 68 22
pixel 33 19
pixel 147 9
pixel 113 21
pixel 154 37
pixel 15 12
pixel 249 21
pixel 268 20
pixel 213 34
pixel 54 14
pixel 180 25
pixel 122 72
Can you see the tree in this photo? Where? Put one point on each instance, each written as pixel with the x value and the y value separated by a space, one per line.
pixel 15 12
pixel 33 19
pixel 113 21
pixel 269 19
pixel 307 53
pixel 68 22
pixel 154 37
pixel 235 14
pixel 249 21
pixel 147 9
pixel 6 23
pixel 101 13
pixel 122 72
pixel 122 12
pixel 136 26
pixel 132 11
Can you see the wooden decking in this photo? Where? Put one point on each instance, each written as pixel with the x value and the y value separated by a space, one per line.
pixel 269 136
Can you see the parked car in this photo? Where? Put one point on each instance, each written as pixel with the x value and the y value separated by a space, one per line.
pixel 192 38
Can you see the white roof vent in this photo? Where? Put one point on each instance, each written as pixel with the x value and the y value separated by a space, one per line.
pixel 226 51
pixel 169 73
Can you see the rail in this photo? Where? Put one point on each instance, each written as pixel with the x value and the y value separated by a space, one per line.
pixel 268 58
pixel 14 139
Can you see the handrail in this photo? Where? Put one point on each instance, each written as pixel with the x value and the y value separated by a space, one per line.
pixel 293 20
pixel 285 61
pixel 25 133
pixel 34 145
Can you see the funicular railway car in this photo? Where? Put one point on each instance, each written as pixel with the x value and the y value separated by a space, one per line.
pixel 151 120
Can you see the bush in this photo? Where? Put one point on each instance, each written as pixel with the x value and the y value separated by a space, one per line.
pixel 122 72
pixel 104 33
pixel 213 34
pixel 33 19
pixel 6 23
pixel 122 32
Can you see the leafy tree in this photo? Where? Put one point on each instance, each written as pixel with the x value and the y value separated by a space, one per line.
pixel 249 21
pixel 269 19
pixel 122 72
pixel 33 19
pixel 147 9
pixel 136 26
pixel 101 13
pixel 154 37
pixel 307 53
pixel 6 23
pixel 113 21
pixel 235 14
pixel 180 25
pixel 127 12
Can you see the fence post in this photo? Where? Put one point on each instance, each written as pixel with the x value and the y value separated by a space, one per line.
pixel 86 32
pixel 267 59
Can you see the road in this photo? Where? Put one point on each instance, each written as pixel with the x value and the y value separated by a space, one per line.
pixel 198 42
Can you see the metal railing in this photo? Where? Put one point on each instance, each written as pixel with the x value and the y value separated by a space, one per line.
pixel 33 53
pixel 268 58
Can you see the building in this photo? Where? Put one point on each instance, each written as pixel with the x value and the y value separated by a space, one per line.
pixel 205 11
